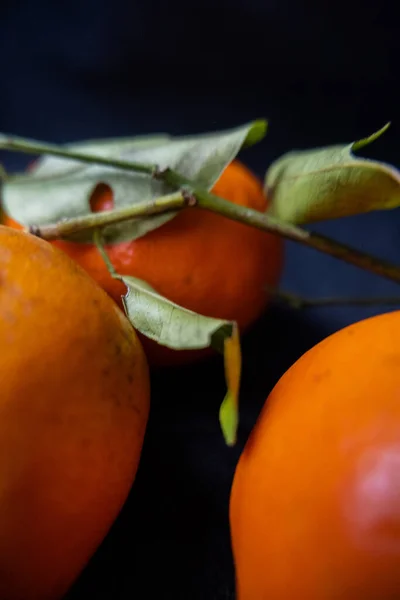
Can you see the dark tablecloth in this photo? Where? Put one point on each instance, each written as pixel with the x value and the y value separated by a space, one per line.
pixel 321 74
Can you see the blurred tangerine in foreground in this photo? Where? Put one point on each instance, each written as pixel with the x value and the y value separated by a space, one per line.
pixel 200 260
pixel 74 405
pixel 315 503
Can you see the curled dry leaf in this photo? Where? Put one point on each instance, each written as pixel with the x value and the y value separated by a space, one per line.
pixel 328 183
pixel 176 327
pixel 58 188
pixel 229 410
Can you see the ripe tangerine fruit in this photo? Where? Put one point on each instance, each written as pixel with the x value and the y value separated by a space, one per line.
pixel 200 260
pixel 315 502
pixel 74 405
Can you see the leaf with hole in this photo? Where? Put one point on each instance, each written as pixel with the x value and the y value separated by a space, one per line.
pixel 176 327
pixel 328 183
pixel 58 189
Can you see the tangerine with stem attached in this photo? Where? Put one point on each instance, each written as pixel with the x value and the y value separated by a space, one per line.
pixel 200 260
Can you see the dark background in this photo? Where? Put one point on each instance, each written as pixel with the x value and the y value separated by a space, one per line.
pixel 322 73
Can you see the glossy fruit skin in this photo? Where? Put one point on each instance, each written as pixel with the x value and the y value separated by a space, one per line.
pixel 315 502
pixel 199 260
pixel 74 405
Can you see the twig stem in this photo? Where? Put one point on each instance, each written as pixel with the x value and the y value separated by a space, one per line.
pixel 190 195
pixel 67 227
pixel 299 302
pixel 98 241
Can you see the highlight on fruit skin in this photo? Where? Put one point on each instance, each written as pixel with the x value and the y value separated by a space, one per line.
pixel 74 406
pixel 200 260
pixel 315 501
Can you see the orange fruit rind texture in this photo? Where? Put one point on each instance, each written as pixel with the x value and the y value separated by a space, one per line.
pixel 315 503
pixel 74 405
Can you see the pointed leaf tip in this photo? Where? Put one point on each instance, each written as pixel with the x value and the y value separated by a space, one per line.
pixel 229 410
pixel 257 132
pixel 371 138
pixel 229 419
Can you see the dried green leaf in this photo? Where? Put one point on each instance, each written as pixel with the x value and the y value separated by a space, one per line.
pixel 168 323
pixel 328 183
pixel 181 329
pixel 57 189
